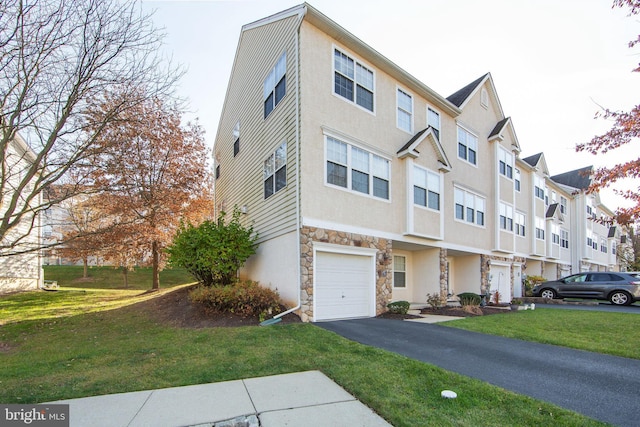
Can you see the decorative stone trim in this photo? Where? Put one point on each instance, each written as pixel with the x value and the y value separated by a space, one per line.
pixel 384 266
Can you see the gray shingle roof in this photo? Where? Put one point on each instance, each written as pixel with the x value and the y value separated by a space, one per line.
pixel 533 160
pixel 499 127
pixel 579 178
pixel 460 96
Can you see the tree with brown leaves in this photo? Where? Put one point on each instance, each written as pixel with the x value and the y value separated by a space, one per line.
pixel 57 57
pixel 154 172
pixel 625 130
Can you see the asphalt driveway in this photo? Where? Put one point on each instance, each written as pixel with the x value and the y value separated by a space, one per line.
pixel 603 387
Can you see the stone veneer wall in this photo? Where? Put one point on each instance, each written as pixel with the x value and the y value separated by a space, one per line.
pixel 384 266
pixel 444 274
pixel 485 266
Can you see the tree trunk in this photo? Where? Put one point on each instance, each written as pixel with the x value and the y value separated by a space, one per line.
pixel 125 276
pixel 85 262
pixel 156 265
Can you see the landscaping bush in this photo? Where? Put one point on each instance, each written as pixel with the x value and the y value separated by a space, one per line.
pixel 529 282
pixel 245 299
pixel 469 298
pixel 398 307
pixel 436 300
pixel 213 251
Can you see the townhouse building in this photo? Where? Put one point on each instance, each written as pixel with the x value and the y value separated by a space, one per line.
pixel 366 186
pixel 20 265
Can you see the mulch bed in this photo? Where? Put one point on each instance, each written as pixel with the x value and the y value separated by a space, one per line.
pixel 175 309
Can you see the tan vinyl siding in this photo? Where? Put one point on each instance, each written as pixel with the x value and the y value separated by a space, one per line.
pixel 241 177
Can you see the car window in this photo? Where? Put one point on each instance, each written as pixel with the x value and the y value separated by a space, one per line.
pixel 616 277
pixel 599 277
pixel 576 278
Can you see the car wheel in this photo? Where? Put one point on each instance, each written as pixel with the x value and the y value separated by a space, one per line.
pixel 620 298
pixel 548 293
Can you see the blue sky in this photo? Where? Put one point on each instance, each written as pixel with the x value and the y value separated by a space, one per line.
pixel 554 63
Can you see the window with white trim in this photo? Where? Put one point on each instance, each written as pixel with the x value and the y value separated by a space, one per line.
pixel 467 146
pixel 275 171
pixel 555 234
pixel 539 228
pixel 505 162
pixel 356 169
pixel 603 245
pixel 520 220
pixel 426 188
pixel 563 205
pixel 352 80
pixel 506 217
pixel 613 247
pixel 469 207
pixel 433 120
pixel 564 238
pixel 538 187
pixel 405 111
pixel 517 180
pixel 399 271
pixel 275 85
pixel 236 137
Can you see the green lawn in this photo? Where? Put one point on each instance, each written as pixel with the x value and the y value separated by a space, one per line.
pixel 86 352
pixel 602 332
pixel 112 278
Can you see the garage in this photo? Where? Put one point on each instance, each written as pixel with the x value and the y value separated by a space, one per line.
pixel 344 284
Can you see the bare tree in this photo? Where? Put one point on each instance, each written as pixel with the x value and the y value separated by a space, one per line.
pixel 58 59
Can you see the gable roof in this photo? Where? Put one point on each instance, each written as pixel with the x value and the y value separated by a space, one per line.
pixel 533 160
pixel 465 93
pixel 500 128
pixel 430 134
pixel 579 178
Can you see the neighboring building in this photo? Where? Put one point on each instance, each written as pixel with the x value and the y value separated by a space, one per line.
pixel 366 186
pixel 19 271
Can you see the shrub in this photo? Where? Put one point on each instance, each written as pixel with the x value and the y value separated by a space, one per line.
pixel 213 251
pixel 469 298
pixel 245 299
pixel 399 307
pixel 436 300
pixel 529 282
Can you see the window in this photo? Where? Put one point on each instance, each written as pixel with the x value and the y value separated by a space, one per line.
pixel 603 245
pixel 469 207
pixel 217 171
pixel 591 212
pixel 538 187
pixel 506 217
pixel 613 248
pixel 517 180
pixel 275 85
pixel 467 146
pixel 236 142
pixel 563 205
pixel 564 238
pixel 353 80
pixel 426 188
pixel 275 171
pixel 520 224
pixel 405 111
pixel 539 228
pixel 399 271
pixel 236 147
pixel 505 163
pixel 555 234
pixel 357 169
pixel 433 120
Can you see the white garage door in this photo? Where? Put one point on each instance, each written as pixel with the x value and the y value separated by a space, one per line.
pixel 344 286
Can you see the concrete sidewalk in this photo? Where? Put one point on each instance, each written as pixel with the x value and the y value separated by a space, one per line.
pixel 306 398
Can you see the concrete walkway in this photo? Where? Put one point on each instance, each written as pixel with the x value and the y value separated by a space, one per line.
pixel 306 398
